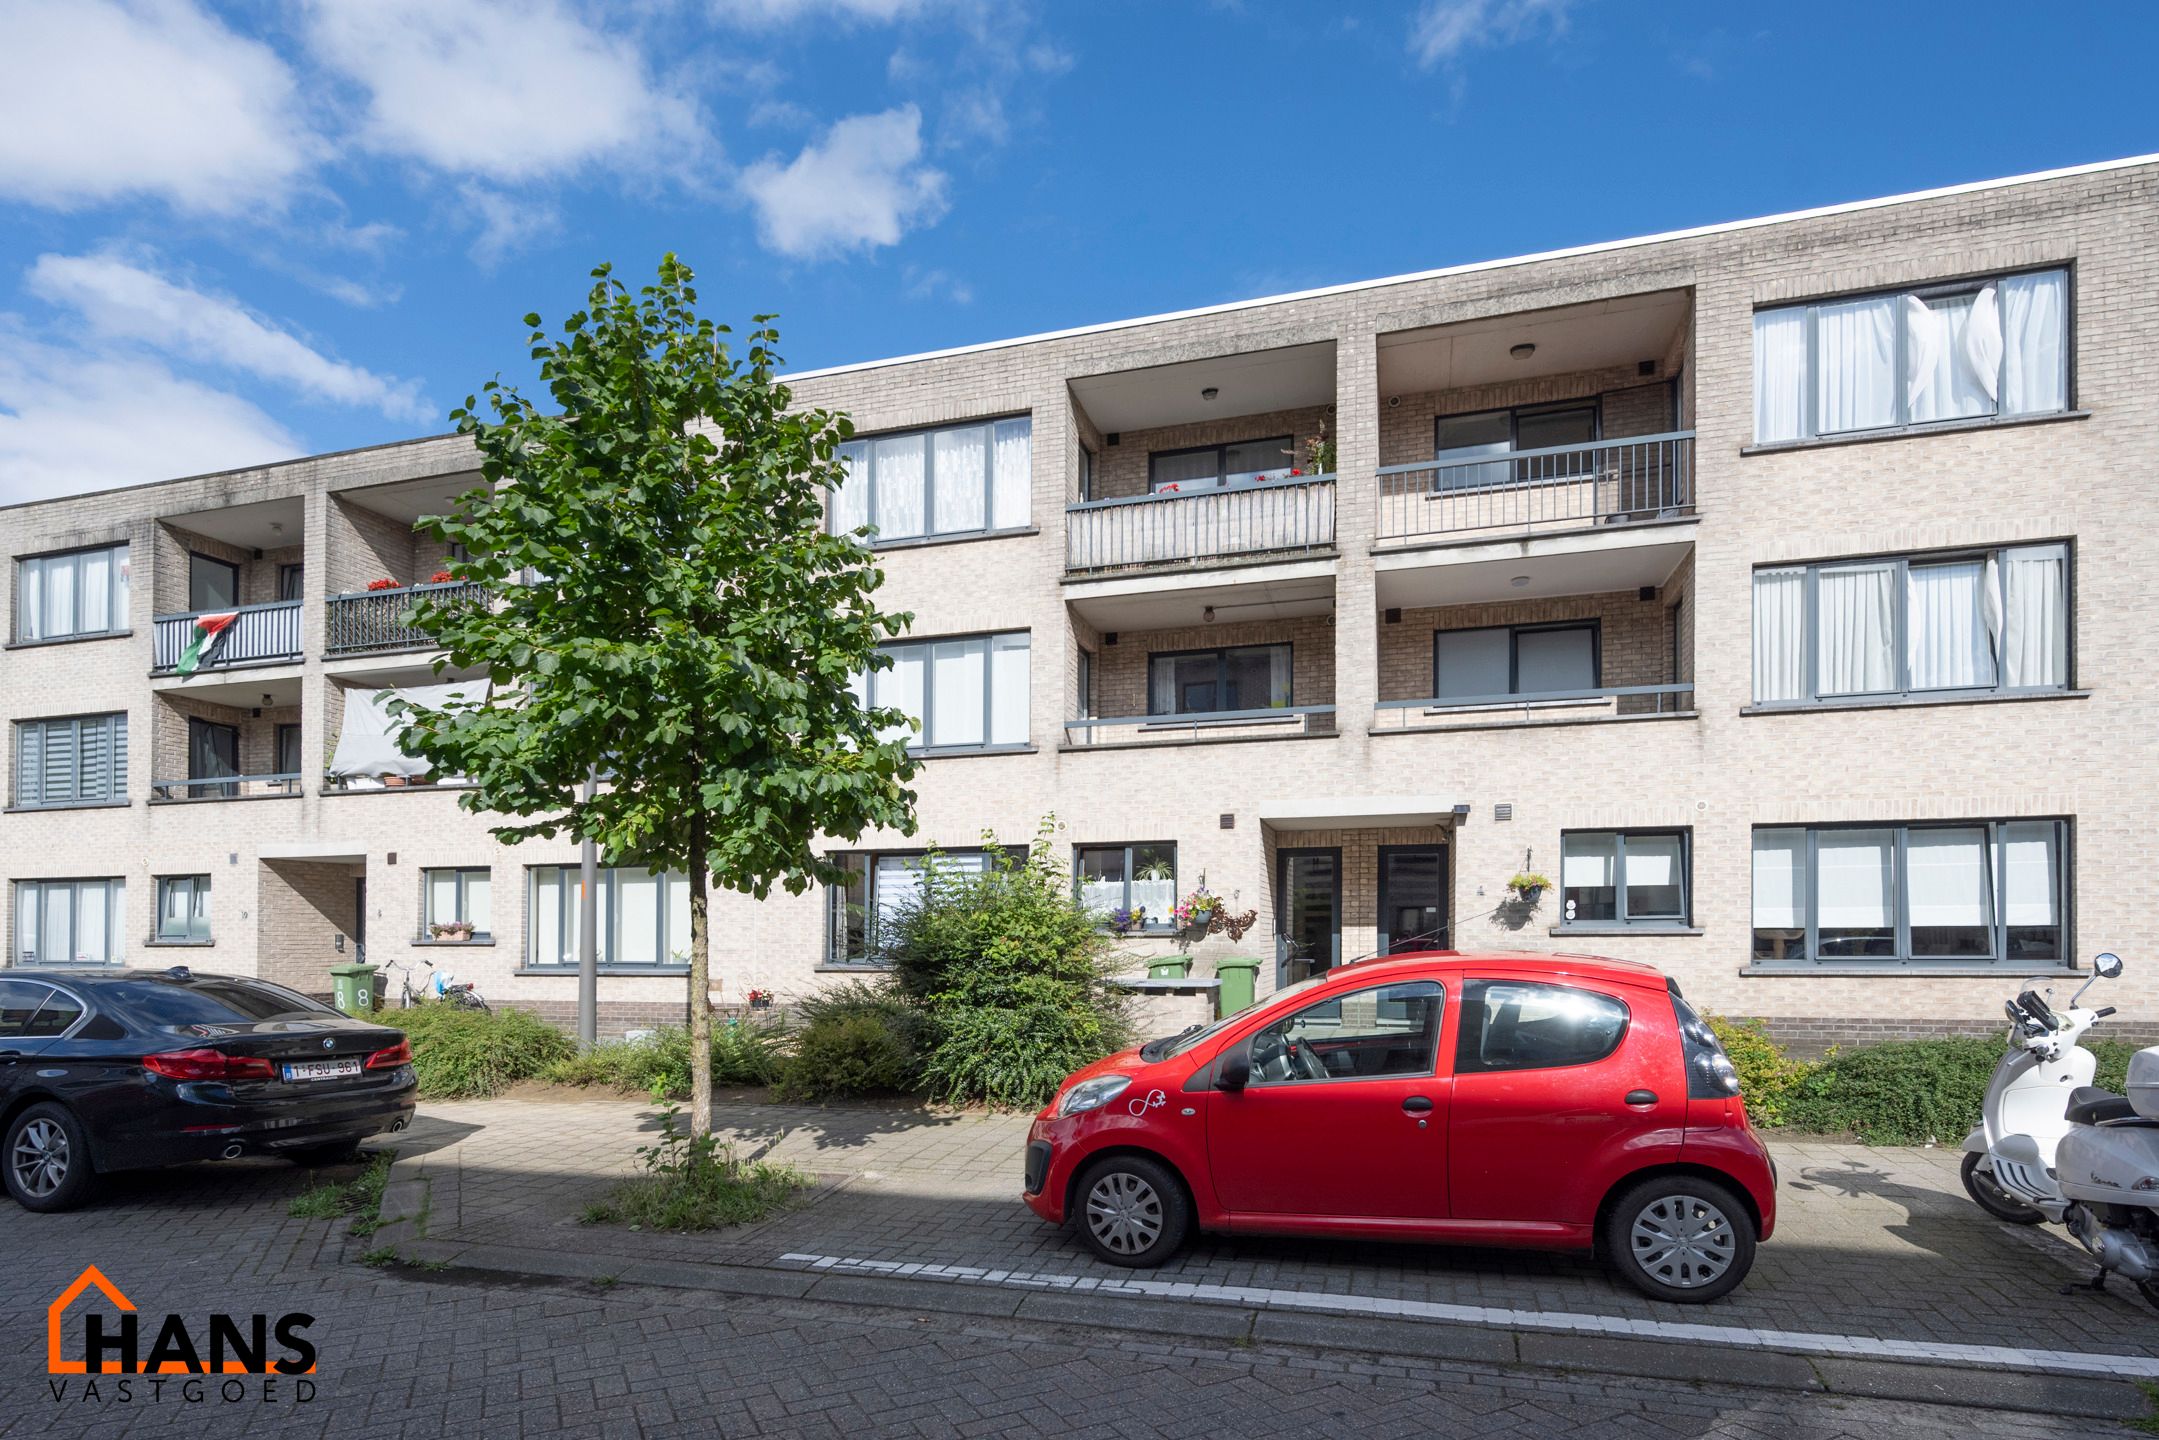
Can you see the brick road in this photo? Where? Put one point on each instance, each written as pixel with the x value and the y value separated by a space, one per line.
pixel 408 1355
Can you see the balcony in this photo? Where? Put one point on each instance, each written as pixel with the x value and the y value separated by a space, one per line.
pixel 259 635
pixel 1221 525
pixel 225 787
pixel 1456 712
pixel 372 622
pixel 1272 723
pixel 1533 492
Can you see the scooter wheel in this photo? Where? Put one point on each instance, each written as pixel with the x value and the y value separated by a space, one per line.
pixel 1988 1194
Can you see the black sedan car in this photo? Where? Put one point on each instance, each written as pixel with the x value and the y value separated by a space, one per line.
pixel 132 1069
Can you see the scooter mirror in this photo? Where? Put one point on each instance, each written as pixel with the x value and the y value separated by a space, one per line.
pixel 2106 963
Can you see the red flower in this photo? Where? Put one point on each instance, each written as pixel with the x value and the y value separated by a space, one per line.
pixel 384 584
pixel 1293 470
pixel 440 577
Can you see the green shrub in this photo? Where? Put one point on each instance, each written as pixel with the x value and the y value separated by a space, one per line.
pixel 1011 1057
pixel 1906 1092
pixel 744 1052
pixel 850 1053
pixel 2113 1057
pixel 1767 1076
pixel 464 1054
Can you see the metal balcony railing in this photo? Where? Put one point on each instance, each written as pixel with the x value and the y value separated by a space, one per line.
pixel 223 787
pixel 259 634
pixel 1563 487
pixel 1608 702
pixel 1201 726
pixel 1201 527
pixel 372 621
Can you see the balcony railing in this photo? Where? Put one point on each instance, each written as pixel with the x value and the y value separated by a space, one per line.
pixel 1201 527
pixel 1200 727
pixel 1610 702
pixel 372 621
pixel 223 787
pixel 260 634
pixel 1563 487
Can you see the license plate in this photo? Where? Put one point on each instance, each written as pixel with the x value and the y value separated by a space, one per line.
pixel 322 1069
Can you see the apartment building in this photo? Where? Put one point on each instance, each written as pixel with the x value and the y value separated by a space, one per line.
pixel 1776 588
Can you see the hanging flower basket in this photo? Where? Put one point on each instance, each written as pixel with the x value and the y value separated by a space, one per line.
pixel 1529 888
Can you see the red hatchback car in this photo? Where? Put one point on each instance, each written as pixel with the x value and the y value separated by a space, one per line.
pixel 1556 1101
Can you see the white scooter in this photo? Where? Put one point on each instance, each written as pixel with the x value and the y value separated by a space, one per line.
pixel 2051 1146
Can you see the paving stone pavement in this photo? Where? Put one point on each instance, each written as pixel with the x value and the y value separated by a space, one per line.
pixel 1870 1242
pixel 409 1355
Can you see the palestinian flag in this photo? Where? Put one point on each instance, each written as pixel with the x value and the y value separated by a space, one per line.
pixel 209 630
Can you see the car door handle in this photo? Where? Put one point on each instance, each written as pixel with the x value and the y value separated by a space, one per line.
pixel 1417 1105
pixel 1641 1097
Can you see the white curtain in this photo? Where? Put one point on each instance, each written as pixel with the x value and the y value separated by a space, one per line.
pixel 480 903
pixel 91 935
pixel 1953 354
pixel 96 591
pixel 60 597
pixel 1948 643
pixel 678 917
pixel 1780 879
pixel 1013 474
pixel 1780 374
pixel 1008 690
pixel 1162 687
pixel 1855 630
pixel 2035 312
pixel 1279 682
pixel 850 503
pixel 1946 878
pixel 1855 360
pixel 637 938
pixel 898 888
pixel 2035 616
pixel 1589 862
pixel 960 469
pixel 899 475
pixel 30 593
pixel 956 691
pixel 900 688
pixel 1856 873
pixel 1780 635
pixel 2028 892
pixel 547 947
pixel 367 745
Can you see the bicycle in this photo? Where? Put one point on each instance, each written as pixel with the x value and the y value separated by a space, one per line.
pixel 435 987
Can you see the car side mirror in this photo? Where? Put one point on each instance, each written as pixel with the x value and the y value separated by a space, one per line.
pixel 2107 964
pixel 1234 1071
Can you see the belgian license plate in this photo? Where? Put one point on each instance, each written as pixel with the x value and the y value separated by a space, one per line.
pixel 322 1069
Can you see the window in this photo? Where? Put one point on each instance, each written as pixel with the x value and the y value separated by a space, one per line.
pixel 291 580
pixel 213 752
pixel 212 584
pixel 1972 891
pixel 1085 684
pixel 936 482
pixel 644 918
pixel 1457 438
pixel 1363 1035
pixel 78 761
pixel 183 909
pixel 967 694
pixel 1949 352
pixel 1208 467
pixel 878 889
pixel 1196 682
pixel 1990 621
pixel 288 757
pixel 466 895
pixel 82 593
pixel 1527 1025
pixel 20 1001
pixel 1138 878
pixel 68 922
pixel 1491 664
pixel 1630 877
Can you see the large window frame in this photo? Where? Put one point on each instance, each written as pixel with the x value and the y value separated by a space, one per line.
pixel 30 768
pixel 877 689
pixel 34 581
pixel 183 911
pixel 852 908
pixel 1220 654
pixel 1501 471
pixel 566 901
pixel 199 569
pixel 1014 515
pixel 1129 854
pixel 1593 624
pixel 2060 878
pixel 464 882
pixel 1223 475
pixel 1900 421
pixel 1623 916
pixel 32 905
pixel 1901 687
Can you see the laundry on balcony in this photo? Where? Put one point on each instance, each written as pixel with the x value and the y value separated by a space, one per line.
pixel 367 756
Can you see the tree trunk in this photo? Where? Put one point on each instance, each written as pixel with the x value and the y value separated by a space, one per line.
pixel 700 986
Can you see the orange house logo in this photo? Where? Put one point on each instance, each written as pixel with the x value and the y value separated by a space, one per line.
pixel 110 1339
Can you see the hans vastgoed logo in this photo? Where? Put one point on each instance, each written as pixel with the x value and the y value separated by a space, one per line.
pixel 223 1357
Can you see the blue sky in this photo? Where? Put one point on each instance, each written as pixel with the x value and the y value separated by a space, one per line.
pixel 231 233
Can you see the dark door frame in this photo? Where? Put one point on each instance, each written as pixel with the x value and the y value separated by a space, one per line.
pixel 1446 891
pixel 1282 858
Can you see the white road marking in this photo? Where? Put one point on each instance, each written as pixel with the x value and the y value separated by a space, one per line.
pixel 1865 1347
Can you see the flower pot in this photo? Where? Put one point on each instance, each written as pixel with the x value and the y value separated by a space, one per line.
pixel 1530 893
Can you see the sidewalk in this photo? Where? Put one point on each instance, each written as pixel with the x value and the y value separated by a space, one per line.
pixel 1883 1277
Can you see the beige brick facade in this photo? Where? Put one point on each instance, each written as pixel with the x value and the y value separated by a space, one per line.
pixel 283 868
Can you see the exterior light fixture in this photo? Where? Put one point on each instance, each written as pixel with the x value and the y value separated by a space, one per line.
pixel 1210 392
pixel 1522 351
pixel 1519 581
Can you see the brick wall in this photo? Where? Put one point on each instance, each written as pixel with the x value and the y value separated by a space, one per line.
pixel 303 907
pixel 1120 675
pixel 1635 637
pixel 365 545
pixel 1121 469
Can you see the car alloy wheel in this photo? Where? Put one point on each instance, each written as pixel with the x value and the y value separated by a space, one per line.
pixel 1124 1213
pixel 1684 1241
pixel 40 1158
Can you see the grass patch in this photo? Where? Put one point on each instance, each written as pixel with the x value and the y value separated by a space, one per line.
pixel 360 1197
pixel 696 1183
pixel 380 1256
pixel 462 1054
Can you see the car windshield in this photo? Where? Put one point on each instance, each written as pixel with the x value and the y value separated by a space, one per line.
pixel 210 1002
pixel 1170 1046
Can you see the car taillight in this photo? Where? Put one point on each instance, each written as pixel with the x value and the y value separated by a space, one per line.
pixel 1710 1073
pixel 398 1054
pixel 207 1064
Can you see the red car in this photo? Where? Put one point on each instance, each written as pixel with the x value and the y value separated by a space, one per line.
pixel 1557 1101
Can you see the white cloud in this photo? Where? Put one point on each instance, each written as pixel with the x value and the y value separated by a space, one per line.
pixel 71 421
pixel 930 284
pixel 108 99
pixel 506 224
pixel 786 12
pixel 861 186
pixel 120 301
pixel 506 91
pixel 1443 29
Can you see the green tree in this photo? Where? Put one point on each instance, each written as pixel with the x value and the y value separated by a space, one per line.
pixel 669 609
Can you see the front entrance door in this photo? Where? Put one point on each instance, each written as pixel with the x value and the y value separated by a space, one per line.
pixel 1308 913
pixel 1413 899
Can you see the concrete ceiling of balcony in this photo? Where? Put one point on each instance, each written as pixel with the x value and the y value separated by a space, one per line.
pixel 1254 383
pixel 1568 338
pixel 1588 563
pixel 383 672
pixel 1162 602
pixel 264 525
pixel 407 500
pixel 240 689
